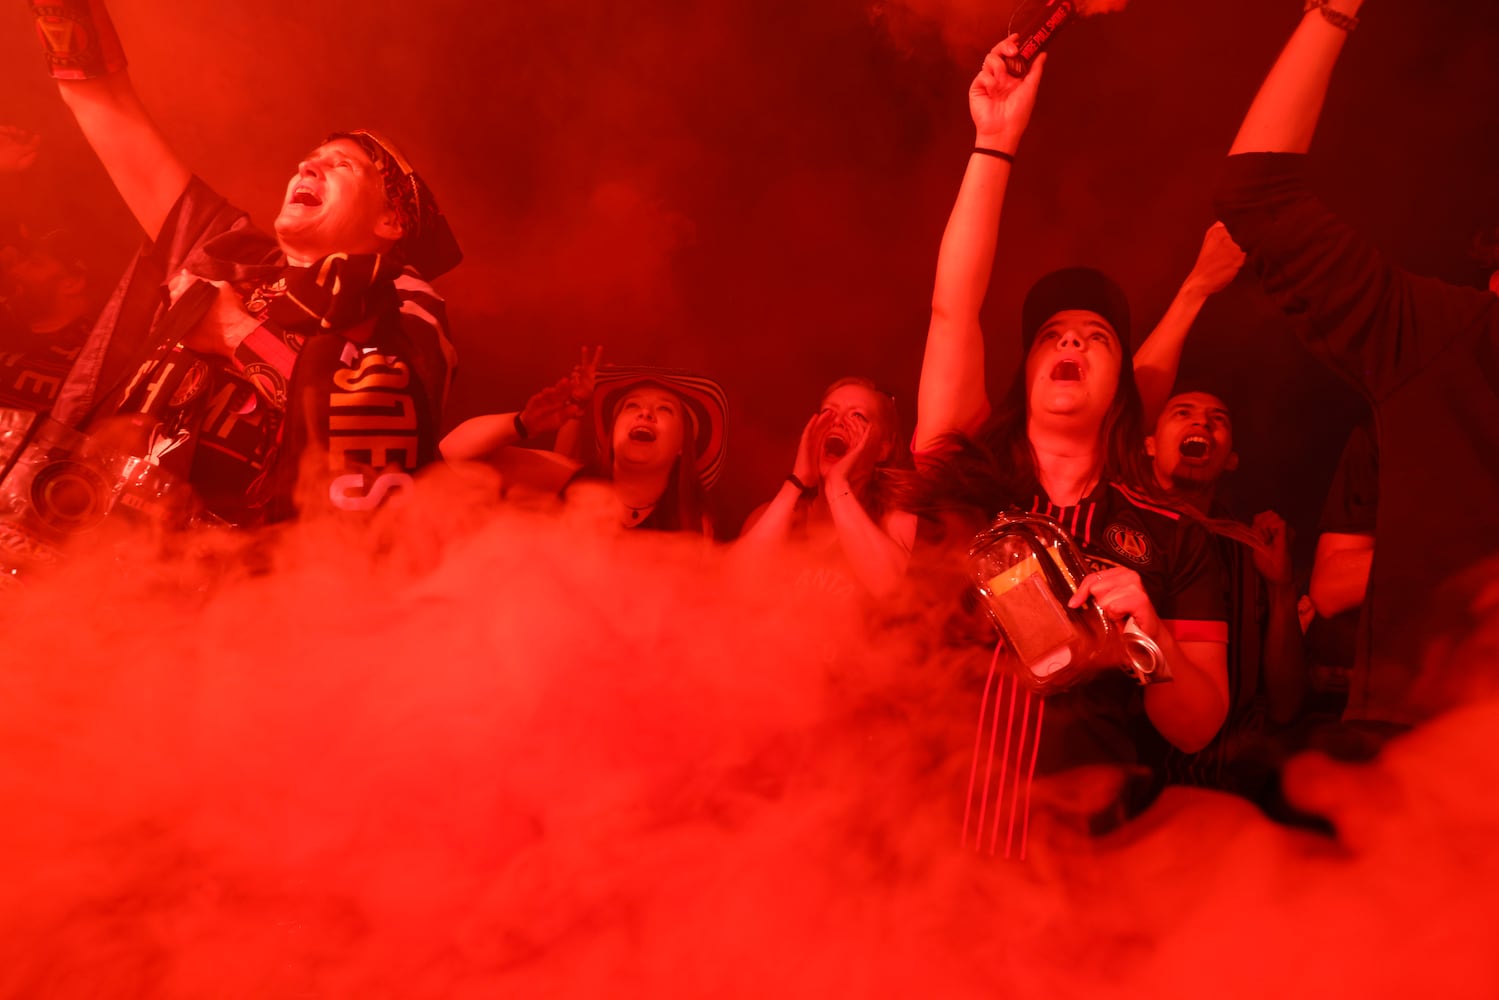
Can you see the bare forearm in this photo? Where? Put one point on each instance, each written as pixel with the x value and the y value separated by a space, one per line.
pixel 85 56
pixel 877 560
pixel 951 394
pixel 1340 580
pixel 144 168
pixel 966 257
pixel 773 525
pixel 1157 360
pixel 479 436
pixel 1284 115
pixel 1189 710
pixel 569 443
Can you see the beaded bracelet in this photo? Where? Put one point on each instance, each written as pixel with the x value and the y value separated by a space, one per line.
pixel 1336 18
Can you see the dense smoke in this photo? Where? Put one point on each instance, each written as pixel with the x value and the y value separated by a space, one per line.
pixel 460 752
pixel 966 24
pixel 511 755
pixel 1088 8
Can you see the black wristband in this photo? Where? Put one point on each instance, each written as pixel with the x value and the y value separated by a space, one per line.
pixel 520 428
pixel 806 491
pixel 998 154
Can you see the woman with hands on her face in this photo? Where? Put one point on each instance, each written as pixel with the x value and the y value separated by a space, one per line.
pixel 834 502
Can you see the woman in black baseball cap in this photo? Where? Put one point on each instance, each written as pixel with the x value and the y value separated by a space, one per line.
pixel 1065 443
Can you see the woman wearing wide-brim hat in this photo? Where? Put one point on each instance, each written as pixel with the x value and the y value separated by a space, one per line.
pixel 659 435
pixel 657 441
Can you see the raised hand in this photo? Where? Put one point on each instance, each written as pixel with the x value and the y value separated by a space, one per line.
pixel 806 467
pixel 584 376
pixel 855 459
pixel 551 407
pixel 1120 594
pixel 1001 105
pixel 224 326
pixel 18 149
pixel 1273 560
pixel 1218 262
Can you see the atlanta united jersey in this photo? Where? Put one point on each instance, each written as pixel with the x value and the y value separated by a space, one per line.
pixel 1022 735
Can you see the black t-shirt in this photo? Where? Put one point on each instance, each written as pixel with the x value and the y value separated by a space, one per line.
pixel 1248 610
pixel 1426 355
pixel 1351 508
pixel 1353 498
pixel 1103 720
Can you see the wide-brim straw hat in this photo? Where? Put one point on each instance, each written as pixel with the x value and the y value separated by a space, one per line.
pixel 707 408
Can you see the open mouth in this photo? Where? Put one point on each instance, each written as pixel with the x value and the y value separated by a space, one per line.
pixel 1067 370
pixel 642 432
pixel 1196 447
pixel 305 196
pixel 835 446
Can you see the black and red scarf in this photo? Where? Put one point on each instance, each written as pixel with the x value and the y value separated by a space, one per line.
pixel 340 300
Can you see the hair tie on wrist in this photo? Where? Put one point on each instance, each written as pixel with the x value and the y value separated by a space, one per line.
pixel 803 488
pixel 998 154
pixel 520 428
pixel 1336 18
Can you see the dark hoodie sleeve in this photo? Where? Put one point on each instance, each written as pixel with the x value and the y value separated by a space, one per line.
pixel 1371 321
pixel 1353 497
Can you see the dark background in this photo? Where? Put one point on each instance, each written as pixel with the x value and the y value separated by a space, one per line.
pixel 757 189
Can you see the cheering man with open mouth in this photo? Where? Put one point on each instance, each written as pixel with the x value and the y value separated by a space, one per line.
pixel 294 371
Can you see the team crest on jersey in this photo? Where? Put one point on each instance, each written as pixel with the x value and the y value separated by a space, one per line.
pixel 268 381
pixel 260 299
pixel 191 385
pixel 1131 543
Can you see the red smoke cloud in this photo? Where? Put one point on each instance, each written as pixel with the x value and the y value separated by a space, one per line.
pixel 966 24
pixel 510 756
pixel 490 758
pixel 1088 8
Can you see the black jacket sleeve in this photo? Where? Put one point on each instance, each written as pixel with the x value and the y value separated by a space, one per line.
pixel 1371 321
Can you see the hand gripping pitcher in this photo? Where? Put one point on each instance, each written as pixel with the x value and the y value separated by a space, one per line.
pixel 1026 568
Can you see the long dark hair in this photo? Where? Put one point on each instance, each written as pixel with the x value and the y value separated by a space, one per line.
pixel 684 503
pixel 974 477
pixel 978 474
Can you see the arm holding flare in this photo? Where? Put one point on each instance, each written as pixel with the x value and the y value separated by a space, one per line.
pixel 84 55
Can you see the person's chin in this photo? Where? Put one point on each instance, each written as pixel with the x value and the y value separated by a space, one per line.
pixel 290 231
pixel 1192 477
pixel 294 222
pixel 1071 411
pixel 642 459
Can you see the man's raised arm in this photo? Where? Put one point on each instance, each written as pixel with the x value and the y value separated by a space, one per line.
pixel 85 57
pixel 1375 323
pixel 1157 361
